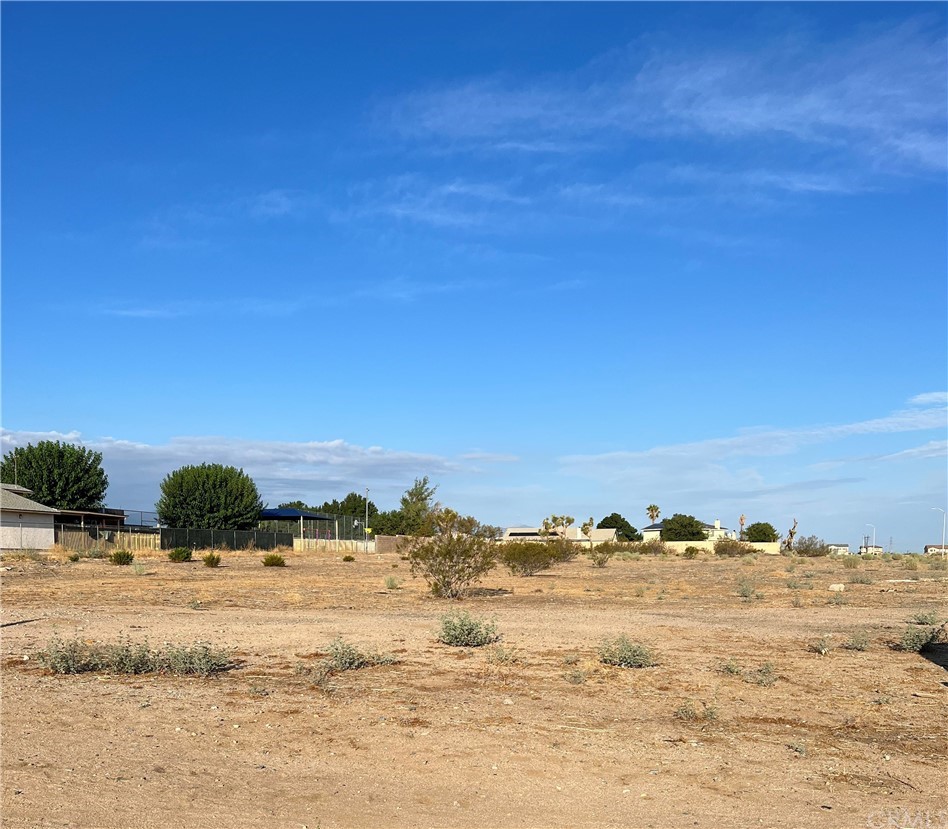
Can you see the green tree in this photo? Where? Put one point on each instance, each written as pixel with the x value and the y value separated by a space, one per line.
pixel 452 552
pixel 653 512
pixel 417 505
pixel 60 475
pixel 760 532
pixel 209 496
pixel 625 531
pixel 683 528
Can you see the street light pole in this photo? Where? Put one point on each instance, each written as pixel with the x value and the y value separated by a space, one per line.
pixel 944 518
pixel 365 527
pixel 873 537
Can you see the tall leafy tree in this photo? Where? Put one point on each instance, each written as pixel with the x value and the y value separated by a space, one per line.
pixel 760 532
pixel 653 512
pixel 61 475
pixel 209 496
pixel 683 528
pixel 624 529
pixel 413 515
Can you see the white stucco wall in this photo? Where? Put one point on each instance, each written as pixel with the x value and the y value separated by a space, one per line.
pixel 26 531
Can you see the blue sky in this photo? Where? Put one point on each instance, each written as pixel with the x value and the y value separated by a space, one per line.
pixel 560 258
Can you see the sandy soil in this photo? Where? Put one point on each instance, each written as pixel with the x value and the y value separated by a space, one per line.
pixel 461 738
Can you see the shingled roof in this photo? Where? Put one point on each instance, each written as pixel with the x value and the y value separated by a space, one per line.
pixel 12 499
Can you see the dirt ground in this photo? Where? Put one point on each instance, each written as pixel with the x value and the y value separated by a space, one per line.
pixel 538 734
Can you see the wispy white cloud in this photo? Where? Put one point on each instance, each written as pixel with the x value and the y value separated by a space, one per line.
pixel 879 92
pixel 931 398
pixel 233 307
pixel 283 470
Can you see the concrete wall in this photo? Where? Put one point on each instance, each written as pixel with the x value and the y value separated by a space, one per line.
pixel 332 545
pixel 26 531
pixel 771 548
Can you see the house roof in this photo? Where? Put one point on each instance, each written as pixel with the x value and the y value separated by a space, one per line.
pixel 661 525
pixel 12 501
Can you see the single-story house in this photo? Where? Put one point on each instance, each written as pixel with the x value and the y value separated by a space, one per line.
pixel 712 532
pixel 25 524
pixel 936 549
pixel 839 549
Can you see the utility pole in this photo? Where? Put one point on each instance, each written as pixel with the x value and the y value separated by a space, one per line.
pixel 365 526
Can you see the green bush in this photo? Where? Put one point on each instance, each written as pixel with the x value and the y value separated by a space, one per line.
pixel 859 641
pixel 211 560
pixel 600 554
pixel 916 639
pixel 764 676
pixel 850 562
pixel 924 618
pixel 731 547
pixel 121 557
pixel 346 657
pixel 348 558
pixel 811 547
pixel 909 563
pixel 74 557
pixel 527 558
pixel 691 552
pixel 457 554
pixel 860 578
pixel 391 583
pixel 179 554
pixel 937 563
pixel 461 630
pixel 652 547
pixel 274 560
pixel 624 653
pixel 74 656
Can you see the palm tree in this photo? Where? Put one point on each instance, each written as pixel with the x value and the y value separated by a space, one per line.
pixel 653 512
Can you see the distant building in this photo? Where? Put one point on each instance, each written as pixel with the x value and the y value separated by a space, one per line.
pixel 936 549
pixel 712 532
pixel 594 538
pixel 871 550
pixel 839 549
pixel 25 524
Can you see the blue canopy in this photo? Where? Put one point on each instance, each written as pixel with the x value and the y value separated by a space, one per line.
pixel 293 515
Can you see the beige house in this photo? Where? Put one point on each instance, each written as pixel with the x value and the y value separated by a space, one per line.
pixel 839 549
pixel 712 532
pixel 24 524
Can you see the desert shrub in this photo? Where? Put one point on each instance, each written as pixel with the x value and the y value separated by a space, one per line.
pixel 74 656
pixel 461 630
pixel 691 551
pixel 859 641
pixel 731 667
pixel 527 558
pixel 74 557
pixel 732 547
pixel 837 600
pixel 924 618
pixel 96 553
pixel 822 646
pixel 624 653
pixel 601 553
pixel 140 569
pixel 745 589
pixel 345 657
pixel 121 557
pixel 211 560
pixel 937 563
pixel 457 554
pixel 850 562
pixel 274 560
pixel 179 554
pixel 391 583
pixel 915 639
pixel 793 584
pixel 652 547
pixel 688 713
pixel 348 558
pixel 809 546
pixel 909 563
pixel 860 578
pixel 764 676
